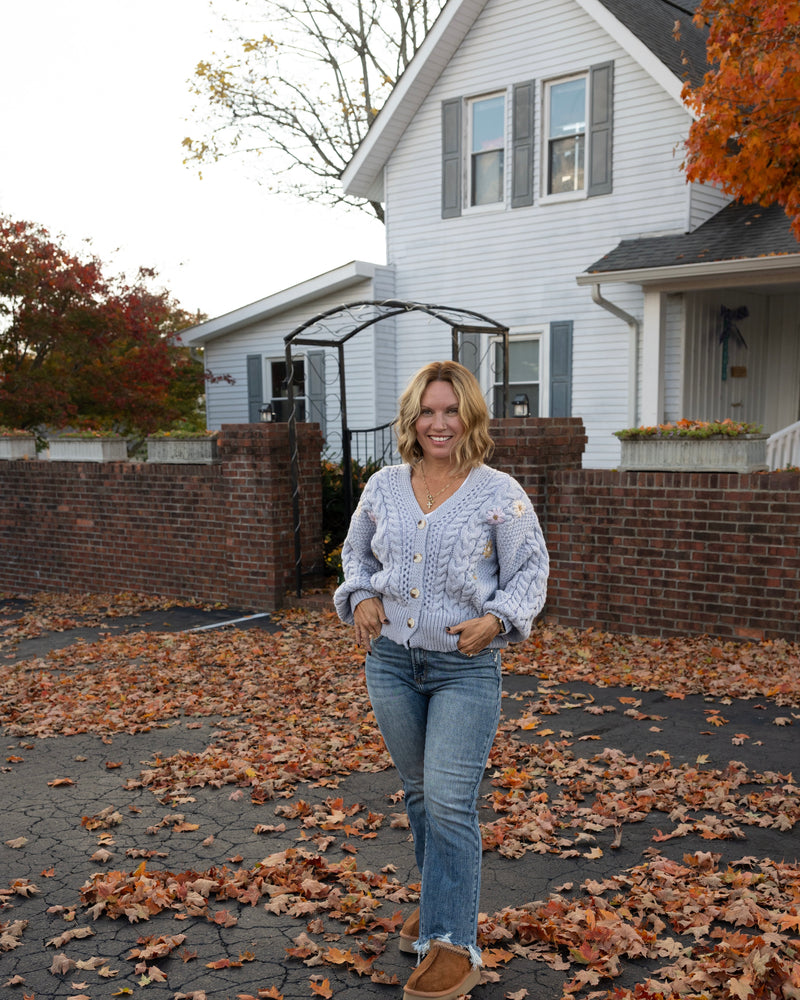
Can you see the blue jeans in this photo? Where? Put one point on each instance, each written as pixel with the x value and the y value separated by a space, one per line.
pixel 438 714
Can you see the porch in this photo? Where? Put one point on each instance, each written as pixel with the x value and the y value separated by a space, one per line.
pixel 717 331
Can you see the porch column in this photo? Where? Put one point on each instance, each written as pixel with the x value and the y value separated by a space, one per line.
pixel 652 387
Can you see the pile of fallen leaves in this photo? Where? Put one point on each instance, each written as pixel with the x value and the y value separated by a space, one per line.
pixel 689 915
pixel 290 709
pixel 676 666
pixel 56 612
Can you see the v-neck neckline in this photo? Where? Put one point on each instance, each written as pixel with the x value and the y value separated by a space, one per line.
pixel 443 504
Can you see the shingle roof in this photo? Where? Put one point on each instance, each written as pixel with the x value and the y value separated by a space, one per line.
pixel 737 232
pixel 653 22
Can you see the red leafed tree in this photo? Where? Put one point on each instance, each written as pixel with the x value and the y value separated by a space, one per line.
pixel 80 349
pixel 746 137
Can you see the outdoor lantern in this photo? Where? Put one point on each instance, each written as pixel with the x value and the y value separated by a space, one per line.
pixel 265 414
pixel 520 406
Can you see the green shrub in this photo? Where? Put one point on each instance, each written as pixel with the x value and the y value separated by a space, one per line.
pixel 335 518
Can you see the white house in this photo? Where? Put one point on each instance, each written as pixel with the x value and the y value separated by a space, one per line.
pixel 529 161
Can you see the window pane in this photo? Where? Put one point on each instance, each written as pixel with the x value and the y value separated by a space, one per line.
pixel 523 374
pixel 487 177
pixel 523 361
pixel 278 375
pixel 488 124
pixel 567 108
pixel 488 150
pixel 566 168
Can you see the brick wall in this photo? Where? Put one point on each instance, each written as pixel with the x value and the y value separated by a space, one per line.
pixel 676 553
pixel 658 553
pixel 218 532
pixel 531 449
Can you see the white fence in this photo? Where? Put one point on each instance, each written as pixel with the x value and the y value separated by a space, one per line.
pixel 783 447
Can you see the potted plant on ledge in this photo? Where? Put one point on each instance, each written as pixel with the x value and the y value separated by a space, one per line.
pixel 88 446
pixel 182 446
pixel 694 446
pixel 17 444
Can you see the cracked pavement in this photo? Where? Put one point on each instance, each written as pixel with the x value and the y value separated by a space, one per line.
pixel 105 771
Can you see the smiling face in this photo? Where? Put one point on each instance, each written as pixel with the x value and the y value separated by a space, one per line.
pixel 438 426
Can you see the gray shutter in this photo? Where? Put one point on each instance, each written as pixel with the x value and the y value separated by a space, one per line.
pixel 601 121
pixel 561 369
pixel 522 145
pixel 255 387
pixel 451 158
pixel 315 389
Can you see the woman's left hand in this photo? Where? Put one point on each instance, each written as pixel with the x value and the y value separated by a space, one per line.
pixel 475 634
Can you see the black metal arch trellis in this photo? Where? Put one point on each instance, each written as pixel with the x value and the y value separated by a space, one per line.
pixel 331 329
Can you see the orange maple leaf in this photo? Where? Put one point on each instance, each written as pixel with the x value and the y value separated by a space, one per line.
pixel 322 989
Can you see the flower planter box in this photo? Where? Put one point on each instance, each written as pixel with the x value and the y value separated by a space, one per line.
pixel 88 450
pixel 178 451
pixel 747 453
pixel 19 446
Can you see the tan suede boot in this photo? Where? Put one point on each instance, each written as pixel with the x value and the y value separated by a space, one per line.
pixel 444 974
pixel 409 933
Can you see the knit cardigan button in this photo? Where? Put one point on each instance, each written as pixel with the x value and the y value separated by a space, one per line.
pixel 410 623
pixel 414 592
pixel 421 522
pixel 417 557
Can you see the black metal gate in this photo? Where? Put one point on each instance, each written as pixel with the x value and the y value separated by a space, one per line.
pixel 333 329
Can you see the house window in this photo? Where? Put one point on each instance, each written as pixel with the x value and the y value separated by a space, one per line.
pixel 277 389
pixel 487 125
pixel 565 123
pixel 523 372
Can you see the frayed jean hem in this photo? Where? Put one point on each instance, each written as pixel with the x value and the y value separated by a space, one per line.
pixel 423 947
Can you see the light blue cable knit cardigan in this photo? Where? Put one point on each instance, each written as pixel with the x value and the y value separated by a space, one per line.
pixel 481 550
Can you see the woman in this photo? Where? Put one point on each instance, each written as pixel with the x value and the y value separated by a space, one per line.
pixel 444 565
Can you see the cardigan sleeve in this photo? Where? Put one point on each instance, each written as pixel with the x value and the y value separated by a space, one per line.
pixel 358 560
pixel 523 567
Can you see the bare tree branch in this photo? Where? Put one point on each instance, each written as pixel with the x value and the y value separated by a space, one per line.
pixel 302 95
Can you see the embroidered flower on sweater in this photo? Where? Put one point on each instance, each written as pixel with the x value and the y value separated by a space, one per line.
pixel 518 508
pixel 495 516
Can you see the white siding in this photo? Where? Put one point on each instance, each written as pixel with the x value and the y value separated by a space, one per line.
pixel 705 200
pixel 783 395
pixel 519 266
pixel 673 356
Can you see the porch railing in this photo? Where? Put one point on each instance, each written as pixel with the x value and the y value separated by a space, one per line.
pixel 783 447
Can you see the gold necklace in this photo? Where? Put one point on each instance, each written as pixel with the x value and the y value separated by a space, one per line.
pixel 432 496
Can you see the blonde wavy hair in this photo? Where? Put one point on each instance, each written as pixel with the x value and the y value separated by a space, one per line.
pixel 475 446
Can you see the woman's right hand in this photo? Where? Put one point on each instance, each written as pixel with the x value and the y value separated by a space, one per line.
pixel 369 617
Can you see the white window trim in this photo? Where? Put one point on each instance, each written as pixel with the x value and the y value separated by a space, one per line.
pixel 526 333
pixel 466 180
pixel 554 199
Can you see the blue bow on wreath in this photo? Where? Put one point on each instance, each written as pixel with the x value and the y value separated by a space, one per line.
pixel 730 330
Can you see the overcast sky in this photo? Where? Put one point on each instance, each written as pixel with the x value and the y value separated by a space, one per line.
pixel 95 104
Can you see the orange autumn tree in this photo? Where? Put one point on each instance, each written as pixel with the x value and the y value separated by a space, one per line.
pixel 746 137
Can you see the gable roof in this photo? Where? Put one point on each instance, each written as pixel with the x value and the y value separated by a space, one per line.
pixel 644 28
pixel 288 298
pixel 738 239
pixel 653 22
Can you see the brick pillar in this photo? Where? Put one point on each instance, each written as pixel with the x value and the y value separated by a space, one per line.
pixel 531 449
pixel 259 543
